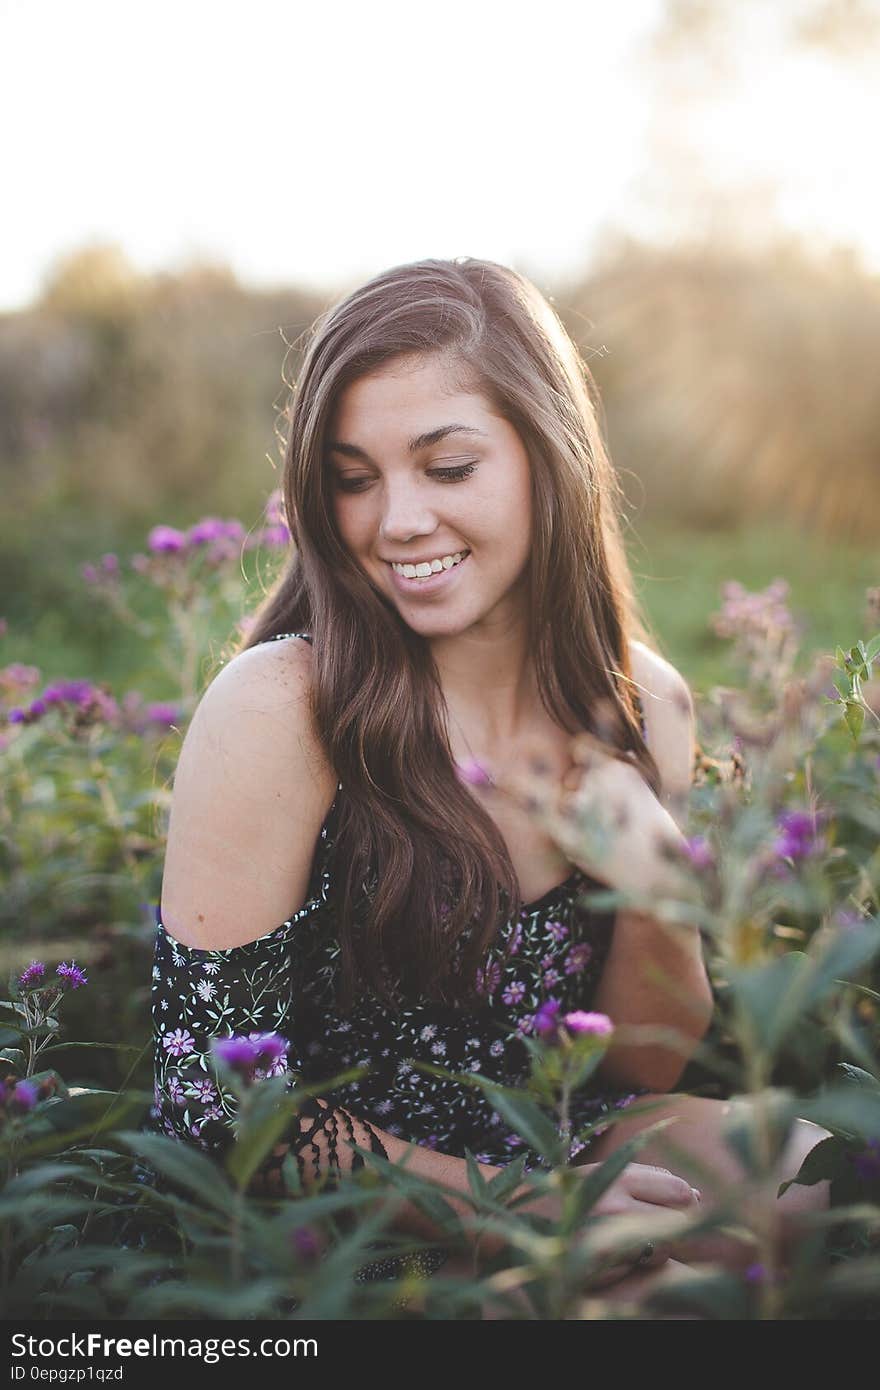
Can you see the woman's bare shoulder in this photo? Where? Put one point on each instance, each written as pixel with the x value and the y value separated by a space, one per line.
pixel 659 679
pixel 251 790
pixel 669 720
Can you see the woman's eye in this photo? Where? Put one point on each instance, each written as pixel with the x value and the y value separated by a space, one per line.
pixel 446 475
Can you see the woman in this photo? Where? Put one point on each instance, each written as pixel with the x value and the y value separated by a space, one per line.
pixel 460 582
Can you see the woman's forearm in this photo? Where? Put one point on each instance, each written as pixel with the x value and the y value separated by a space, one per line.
pixel 327 1151
pixel 654 976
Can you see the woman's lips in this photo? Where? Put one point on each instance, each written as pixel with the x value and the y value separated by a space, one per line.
pixel 431 585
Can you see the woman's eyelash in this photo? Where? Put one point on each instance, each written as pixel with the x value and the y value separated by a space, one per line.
pixel 448 475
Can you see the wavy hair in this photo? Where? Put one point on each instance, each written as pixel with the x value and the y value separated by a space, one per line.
pixel 435 869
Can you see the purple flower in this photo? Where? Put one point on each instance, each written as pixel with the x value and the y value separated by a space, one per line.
pixel 756 1274
pixel 488 979
pixel 515 940
pixel 89 574
pixel 867 1163
pixel 202 1089
pixel 34 972
pixel 15 716
pixel 514 992
pixel 551 978
pixel 164 713
pixel 178 1043
pixel 276 537
pixel 546 1018
pixel 38 707
pixel 579 958
pixel 71 975
pixel 24 1096
pixel 175 1090
pixel 557 930
pixel 305 1243
pixel 598 1025
pixel 239 1054
pixel 110 563
pixel 208 529
pixel 270 1047
pixel 699 852
pixel 798 837
pixel 474 773
pixel 166 540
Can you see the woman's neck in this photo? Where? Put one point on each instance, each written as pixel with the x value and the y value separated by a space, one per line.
pixel 490 689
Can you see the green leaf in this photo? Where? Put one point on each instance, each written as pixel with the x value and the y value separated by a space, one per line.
pixel 263 1116
pixel 183 1165
pixel 872 649
pixel 525 1117
pixel 69 1120
pixel 478 1183
pixel 826 1160
pixel 855 718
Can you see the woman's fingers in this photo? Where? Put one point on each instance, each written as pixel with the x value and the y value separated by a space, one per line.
pixel 658 1187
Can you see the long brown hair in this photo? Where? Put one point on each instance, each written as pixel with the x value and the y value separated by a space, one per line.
pixel 439 874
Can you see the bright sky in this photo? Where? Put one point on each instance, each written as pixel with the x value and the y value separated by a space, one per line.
pixel 300 143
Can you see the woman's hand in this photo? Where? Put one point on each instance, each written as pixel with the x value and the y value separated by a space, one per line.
pixel 602 815
pixel 640 1191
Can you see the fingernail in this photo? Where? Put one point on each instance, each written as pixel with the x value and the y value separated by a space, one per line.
pixel 698 1196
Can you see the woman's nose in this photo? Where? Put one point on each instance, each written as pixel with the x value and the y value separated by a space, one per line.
pixel 405 513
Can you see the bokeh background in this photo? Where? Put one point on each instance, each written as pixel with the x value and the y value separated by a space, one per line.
pixel 690 181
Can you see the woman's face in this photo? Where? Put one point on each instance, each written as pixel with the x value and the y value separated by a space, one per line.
pixel 422 471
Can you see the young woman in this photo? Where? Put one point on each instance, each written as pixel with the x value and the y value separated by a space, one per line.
pixel 457 595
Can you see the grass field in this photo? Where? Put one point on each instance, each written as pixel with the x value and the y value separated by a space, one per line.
pixel 678 574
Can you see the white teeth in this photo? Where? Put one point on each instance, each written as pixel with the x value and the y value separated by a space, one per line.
pixel 426 567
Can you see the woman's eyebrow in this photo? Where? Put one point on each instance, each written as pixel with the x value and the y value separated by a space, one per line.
pixel 420 441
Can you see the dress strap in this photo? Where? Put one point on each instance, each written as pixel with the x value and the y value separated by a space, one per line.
pixel 278 636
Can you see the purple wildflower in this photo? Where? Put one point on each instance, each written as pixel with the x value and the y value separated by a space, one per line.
pixel 598 1025
pixel 474 773
pixel 89 574
pixel 110 563
pixel 557 930
pixel 164 713
pixel 270 1047
pixel 867 1163
pixel 34 972
pixel 551 978
pixel 38 707
pixel 239 1054
pixel 15 716
pixel 699 852
pixel 71 975
pixel 166 540
pixel 208 529
pixel 24 1096
pixel 579 958
pixel 547 1018
pixel 178 1043
pixel 798 836
pixel 305 1243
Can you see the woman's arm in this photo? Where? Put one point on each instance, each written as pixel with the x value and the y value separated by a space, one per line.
pixel 655 972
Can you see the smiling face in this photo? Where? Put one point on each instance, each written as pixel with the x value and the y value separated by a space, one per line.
pixel 423 471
